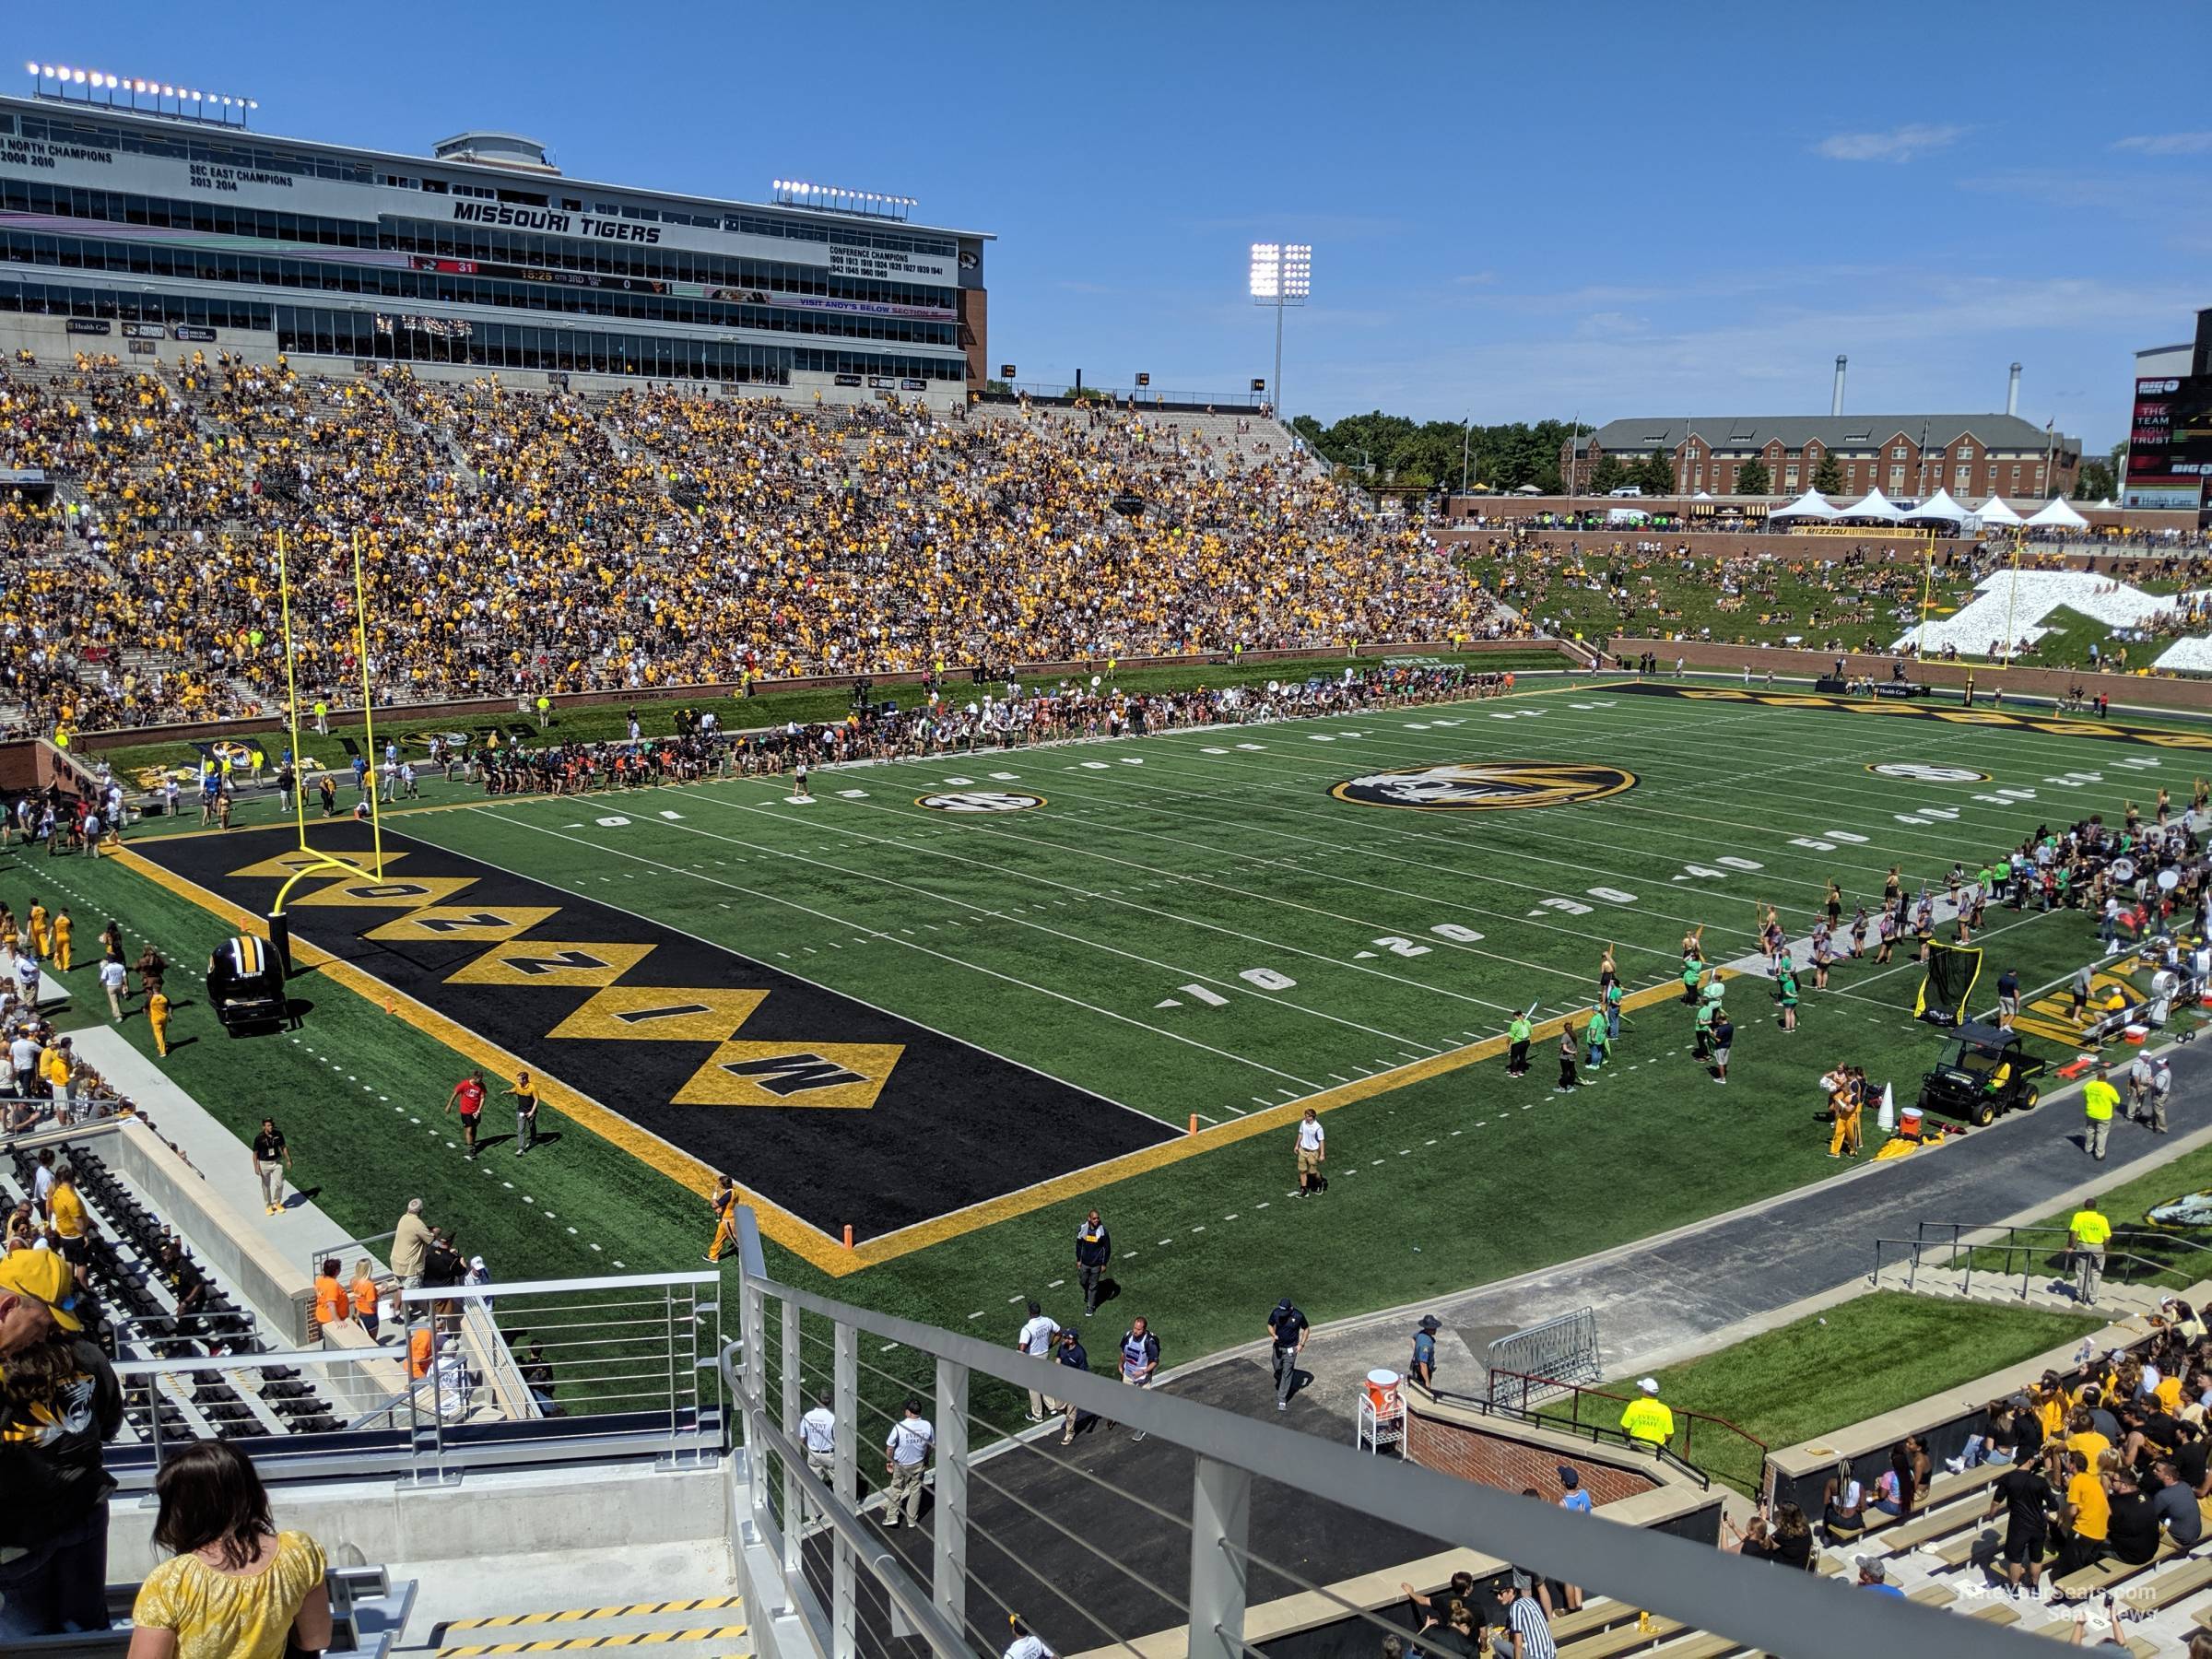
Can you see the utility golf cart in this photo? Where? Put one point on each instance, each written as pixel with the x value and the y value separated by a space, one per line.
pixel 1983 1071
pixel 245 985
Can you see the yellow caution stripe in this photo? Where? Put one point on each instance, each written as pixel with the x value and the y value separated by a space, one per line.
pixel 576 1643
pixel 575 1615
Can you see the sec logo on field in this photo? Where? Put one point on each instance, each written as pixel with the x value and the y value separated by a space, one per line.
pixel 1914 772
pixel 980 800
pixel 1494 786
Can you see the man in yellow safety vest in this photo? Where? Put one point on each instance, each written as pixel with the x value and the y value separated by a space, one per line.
pixel 1647 1417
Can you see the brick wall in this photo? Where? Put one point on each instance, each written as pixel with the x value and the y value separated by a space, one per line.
pixel 1496 1460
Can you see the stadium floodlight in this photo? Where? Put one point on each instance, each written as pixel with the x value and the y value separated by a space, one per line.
pixel 806 193
pixel 1281 274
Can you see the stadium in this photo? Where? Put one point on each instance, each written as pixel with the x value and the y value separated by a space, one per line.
pixel 672 987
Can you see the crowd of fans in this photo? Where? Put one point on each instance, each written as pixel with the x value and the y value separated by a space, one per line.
pixel 520 543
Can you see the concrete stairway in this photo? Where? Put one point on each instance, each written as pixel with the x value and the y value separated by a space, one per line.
pixel 2046 1289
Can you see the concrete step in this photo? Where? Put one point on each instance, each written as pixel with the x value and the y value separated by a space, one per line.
pixel 2043 1290
pixel 712 1627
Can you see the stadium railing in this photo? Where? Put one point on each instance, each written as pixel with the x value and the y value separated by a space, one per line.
pixel 628 1370
pixel 1541 1399
pixel 786 1514
pixel 2004 1250
pixel 348 1250
pixel 1142 399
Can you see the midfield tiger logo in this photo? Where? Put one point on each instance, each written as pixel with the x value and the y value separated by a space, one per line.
pixel 1491 786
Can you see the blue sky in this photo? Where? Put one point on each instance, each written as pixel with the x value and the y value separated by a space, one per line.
pixel 1517 211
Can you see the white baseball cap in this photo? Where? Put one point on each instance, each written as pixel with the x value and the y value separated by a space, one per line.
pixel 1649 1384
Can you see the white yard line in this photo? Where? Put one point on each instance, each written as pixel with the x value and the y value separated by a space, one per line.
pixel 1009 979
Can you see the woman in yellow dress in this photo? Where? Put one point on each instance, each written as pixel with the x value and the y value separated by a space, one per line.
pixel 235 1587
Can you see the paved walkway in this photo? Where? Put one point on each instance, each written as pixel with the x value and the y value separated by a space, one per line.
pixel 219 1156
pixel 1718 1280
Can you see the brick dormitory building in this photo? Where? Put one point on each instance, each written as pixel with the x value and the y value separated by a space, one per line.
pixel 1907 456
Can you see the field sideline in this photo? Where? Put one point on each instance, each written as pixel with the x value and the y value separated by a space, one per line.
pixel 1190 923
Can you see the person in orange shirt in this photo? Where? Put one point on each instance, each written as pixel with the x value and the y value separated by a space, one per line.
pixel 332 1308
pixel 419 1352
pixel 364 1296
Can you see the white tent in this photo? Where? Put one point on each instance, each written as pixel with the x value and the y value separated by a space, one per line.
pixel 1940 506
pixel 2058 516
pixel 1875 506
pixel 1811 504
pixel 1994 512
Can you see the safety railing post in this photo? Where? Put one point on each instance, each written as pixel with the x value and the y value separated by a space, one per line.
pixel 1220 1519
pixel 1912 1266
pixel 795 1560
pixel 669 1317
pixel 844 1589
pixel 949 1569
pixel 751 1316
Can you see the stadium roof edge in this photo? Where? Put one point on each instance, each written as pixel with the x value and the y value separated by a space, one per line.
pixel 490 171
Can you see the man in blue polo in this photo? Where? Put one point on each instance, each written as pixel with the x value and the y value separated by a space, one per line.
pixel 1423 1368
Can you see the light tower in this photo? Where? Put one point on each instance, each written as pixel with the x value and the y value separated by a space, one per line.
pixel 1282 274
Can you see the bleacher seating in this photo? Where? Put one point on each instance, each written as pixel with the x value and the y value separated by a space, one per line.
pixel 753 537
pixel 141 1314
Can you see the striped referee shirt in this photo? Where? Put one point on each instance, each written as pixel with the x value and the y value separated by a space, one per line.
pixel 1527 1620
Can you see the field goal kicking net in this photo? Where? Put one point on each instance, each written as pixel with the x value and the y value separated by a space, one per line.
pixel 1946 990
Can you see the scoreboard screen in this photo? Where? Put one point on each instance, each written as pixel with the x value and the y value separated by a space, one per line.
pixel 2170 434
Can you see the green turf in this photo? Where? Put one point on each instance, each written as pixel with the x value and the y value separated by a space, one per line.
pixel 2066 641
pixel 2146 1255
pixel 1826 1372
pixel 590 723
pixel 1196 868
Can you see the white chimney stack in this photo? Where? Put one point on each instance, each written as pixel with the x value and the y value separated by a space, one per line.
pixel 2012 392
pixel 1835 404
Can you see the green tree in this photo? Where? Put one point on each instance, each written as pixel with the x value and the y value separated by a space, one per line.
pixel 1608 475
pixel 2095 483
pixel 1752 478
pixel 1504 457
pixel 1828 477
pixel 1655 474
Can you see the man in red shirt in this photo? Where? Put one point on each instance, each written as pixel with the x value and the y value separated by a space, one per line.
pixel 468 1096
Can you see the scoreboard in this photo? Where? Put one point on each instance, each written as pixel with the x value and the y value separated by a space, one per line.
pixel 2170 434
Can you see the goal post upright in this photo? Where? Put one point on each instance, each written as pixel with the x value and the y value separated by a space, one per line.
pixel 321 862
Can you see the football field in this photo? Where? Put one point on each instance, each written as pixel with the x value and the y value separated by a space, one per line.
pixel 951 1004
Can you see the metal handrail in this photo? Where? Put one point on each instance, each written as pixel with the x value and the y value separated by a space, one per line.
pixel 1961 1256
pixel 1576 1390
pixel 317 1258
pixel 1643 1568
pixel 1957 1228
